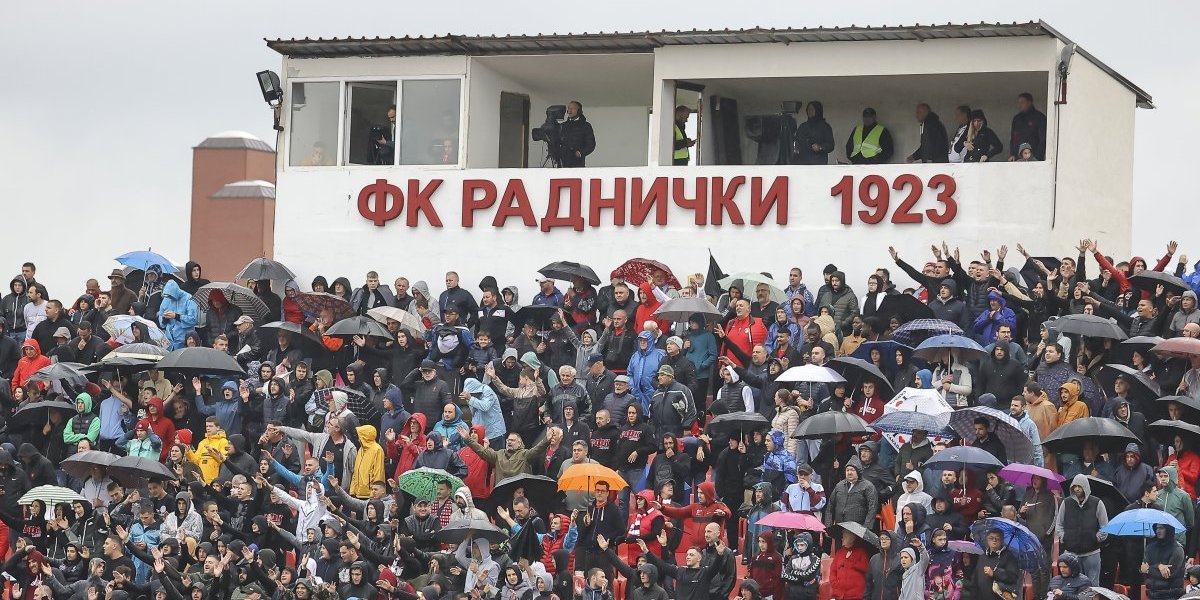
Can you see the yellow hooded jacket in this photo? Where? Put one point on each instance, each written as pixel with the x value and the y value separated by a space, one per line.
pixel 368 466
pixel 210 467
pixel 1072 409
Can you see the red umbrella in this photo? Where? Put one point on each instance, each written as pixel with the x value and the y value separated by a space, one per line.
pixel 637 271
pixel 791 520
pixel 312 303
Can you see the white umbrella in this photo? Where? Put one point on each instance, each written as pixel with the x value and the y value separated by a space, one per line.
pixel 50 495
pixel 749 281
pixel 811 373
pixel 408 321
pixel 120 327
pixel 925 401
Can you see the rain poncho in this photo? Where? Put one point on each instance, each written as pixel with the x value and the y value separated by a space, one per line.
pixel 779 463
pixel 179 302
pixel 368 466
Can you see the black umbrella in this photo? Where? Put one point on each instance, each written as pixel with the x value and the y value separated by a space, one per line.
pixel 1108 493
pixel 200 361
pixel 859 371
pixel 240 296
pixel 1142 389
pixel 455 533
pixel 682 309
pixel 961 457
pixel 36 414
pixel 80 464
pixel 63 371
pixel 1180 428
pixel 1141 344
pixel 541 491
pixel 539 316
pixel 738 421
pixel 1107 434
pixel 905 307
pixel 359 325
pixel 1091 326
pixel 566 271
pixel 860 531
pixel 832 423
pixel 134 471
pixel 1150 280
pixel 525 544
pixel 301 335
pixel 1187 401
pixel 265 268
pixel 362 406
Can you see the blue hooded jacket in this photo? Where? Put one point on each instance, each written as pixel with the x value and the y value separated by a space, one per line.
pixel 449 430
pixel 180 302
pixel 228 412
pixel 485 408
pixel 643 368
pixel 986 324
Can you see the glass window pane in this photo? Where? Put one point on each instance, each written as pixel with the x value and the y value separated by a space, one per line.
pixel 314 124
pixel 371 130
pixel 429 122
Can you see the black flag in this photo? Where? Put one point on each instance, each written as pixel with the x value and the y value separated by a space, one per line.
pixel 711 285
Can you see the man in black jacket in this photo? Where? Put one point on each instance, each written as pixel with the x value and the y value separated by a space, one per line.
pixel 714 552
pixel 934 146
pixel 602 518
pixel 693 580
pixel 1028 127
pixel 814 137
pixel 578 140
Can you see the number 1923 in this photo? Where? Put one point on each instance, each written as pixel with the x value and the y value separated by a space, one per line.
pixel 874 194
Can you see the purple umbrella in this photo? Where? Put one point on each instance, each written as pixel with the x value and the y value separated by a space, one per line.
pixel 1019 474
pixel 964 546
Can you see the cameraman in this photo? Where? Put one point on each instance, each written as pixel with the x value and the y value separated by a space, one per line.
pixel 384 147
pixel 578 141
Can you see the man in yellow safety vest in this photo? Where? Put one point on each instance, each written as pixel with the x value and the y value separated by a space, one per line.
pixel 870 143
pixel 680 156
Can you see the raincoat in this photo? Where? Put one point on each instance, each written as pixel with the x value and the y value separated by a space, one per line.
pixel 643 368
pixel 368 466
pixel 485 408
pixel 180 302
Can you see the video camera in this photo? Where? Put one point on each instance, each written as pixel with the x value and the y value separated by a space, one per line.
pixel 550 133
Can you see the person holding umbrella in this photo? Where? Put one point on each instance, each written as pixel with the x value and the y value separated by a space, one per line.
pixel 997 576
pixel 1134 549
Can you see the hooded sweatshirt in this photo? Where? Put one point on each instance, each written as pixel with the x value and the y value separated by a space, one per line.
pixel 449 429
pixel 190 522
pixel 485 408
pixel 84 424
pixel 1175 501
pixel 1079 520
pixel 479 472
pixel 988 322
pixel 174 299
pixel 699 514
pixel 916 497
pixel 26 365
pixel 368 466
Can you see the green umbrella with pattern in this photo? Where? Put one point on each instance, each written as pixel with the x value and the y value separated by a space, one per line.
pixel 422 483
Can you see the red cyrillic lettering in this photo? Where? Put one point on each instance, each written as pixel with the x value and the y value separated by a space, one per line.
pixel 470 204
pixel 775 197
pixel 597 201
pixel 722 200
pixel 420 200
pixel 381 211
pixel 574 218
pixel 698 204
pixel 656 196
pixel 515 203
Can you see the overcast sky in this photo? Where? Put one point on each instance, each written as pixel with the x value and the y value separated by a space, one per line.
pixel 103 101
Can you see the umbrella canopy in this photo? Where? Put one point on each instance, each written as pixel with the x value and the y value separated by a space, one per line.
pixel 1150 280
pixel 68 372
pixel 50 495
pixel 567 271
pixel 538 316
pixel 811 373
pixel 738 421
pixel 1017 446
pixel 859 531
pixel 961 347
pixel 1108 594
pixel 421 483
pixel 1180 346
pixel 455 533
pixel 265 268
pixel 137 350
pixel 1021 474
pixel 38 414
pixel 1017 538
pixel 637 271
pixel 408 321
pixel 359 325
pixel 1107 434
pixel 903 423
pixel 1141 344
pixel 859 371
pixel 80 464
pixel 1142 389
pixel 832 423
pixel 1140 522
pixel 964 546
pixel 887 348
pixel 363 407
pixel 791 520
pixel 583 478
pixel 300 335
pixel 120 328
pixel 541 491
pixel 904 307
pixel 240 296
pixel 749 282
pixel 915 332
pixel 143 259
pixel 921 400
pixel 1091 326
pixel 200 361
pixel 312 303
pixel 1188 401
pixel 681 309
pixel 134 471
pixel 525 544
pixel 960 457
pixel 1108 493
pixel 1180 428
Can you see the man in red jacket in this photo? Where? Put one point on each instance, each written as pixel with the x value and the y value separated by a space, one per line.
pixel 698 514
pixel 744 331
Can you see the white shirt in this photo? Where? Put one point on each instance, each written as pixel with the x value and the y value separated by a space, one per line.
pixel 34 314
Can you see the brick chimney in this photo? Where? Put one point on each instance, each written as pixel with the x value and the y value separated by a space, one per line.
pixel 233 203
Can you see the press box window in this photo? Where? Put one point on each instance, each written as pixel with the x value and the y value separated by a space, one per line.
pixel 429 116
pixel 314 124
pixel 370 123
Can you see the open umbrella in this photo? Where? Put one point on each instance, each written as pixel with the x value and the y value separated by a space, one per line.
pixel 541 491
pixel 961 347
pixel 1017 538
pixel 1186 401
pixel 961 457
pixel 80 464
pixel 915 332
pixel 1142 389
pixel 1108 493
pixel 68 372
pixel 421 483
pixel 749 282
pixel 240 296
pixel 359 404
pixel 1140 522
pixel 539 316
pixel 1180 346
pixel 1180 428
pixel 359 325
pixel 583 477
pixel 36 414
pixel 1022 475
pixel 858 371
pixel 134 471
pixel 50 495
pixel 903 423
pixel 301 335
pixel 408 321
pixel 791 520
pixel 904 307
pixel 566 271
pixel 637 271
pixel 1141 344
pixel 143 259
pixel 738 421
pixel 312 303
pixel 964 546
pixel 1150 280
pixel 859 531
pixel 137 350
pixel 1017 446
pixel 1107 434
pixel 811 374
pixel 681 309
pixel 265 268
pixel 455 533
pixel 832 423
pixel 200 361
pixel 1107 594
pixel 525 544
pixel 120 328
pixel 1091 326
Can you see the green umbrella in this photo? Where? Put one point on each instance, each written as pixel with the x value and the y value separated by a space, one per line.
pixel 422 483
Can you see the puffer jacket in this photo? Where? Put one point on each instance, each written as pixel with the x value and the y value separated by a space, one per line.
pixel 1074 583
pixel 843 302
pixel 987 324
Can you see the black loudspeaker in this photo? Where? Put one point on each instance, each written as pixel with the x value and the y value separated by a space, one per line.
pixel 727 140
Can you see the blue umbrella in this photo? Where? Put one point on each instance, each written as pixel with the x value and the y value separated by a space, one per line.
pixel 1140 522
pixel 963 348
pixel 142 259
pixel 913 332
pixel 1017 538
pixel 905 421
pixel 961 457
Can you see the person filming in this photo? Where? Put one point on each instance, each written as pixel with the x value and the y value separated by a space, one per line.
pixel 578 141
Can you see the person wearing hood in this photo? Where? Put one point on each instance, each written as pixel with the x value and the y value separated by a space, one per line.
pixel 1164 565
pixel 874 472
pixel 841 300
pixel 429 393
pixel 941 579
pixel 220 317
pixel 950 510
pixel 696 515
pixel 1132 474
pixel 766 568
pixel 184 518
pixel 1078 526
pixel 479 472
pixel 1186 313
pixel 228 408
pixel 368 465
pixel 38 468
pixel 485 411
pixel 1174 500
pixel 700 347
pixel 193 277
pixel 12 308
pixel 643 366
pixel 1070 583
pixel 779 465
pixel 405 444
pixel 981 144
pixel 30 362
pixel 642 576
pixel 988 322
pixel 1071 407
pixel 801 568
pixel 177 314
pixel 814 139
pixel 290 311
pixel 852 499
pixel 914 493
pixel 84 424
pixel 438 455
pixel 448 426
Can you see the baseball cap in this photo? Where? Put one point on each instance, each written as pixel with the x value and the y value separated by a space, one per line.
pixel 451 308
pixel 595 358
pixel 243 319
pixel 666 370
pixel 542 279
pixel 428 365
pixel 804 468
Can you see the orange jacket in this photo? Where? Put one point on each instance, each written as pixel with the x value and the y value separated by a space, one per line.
pixel 27 366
